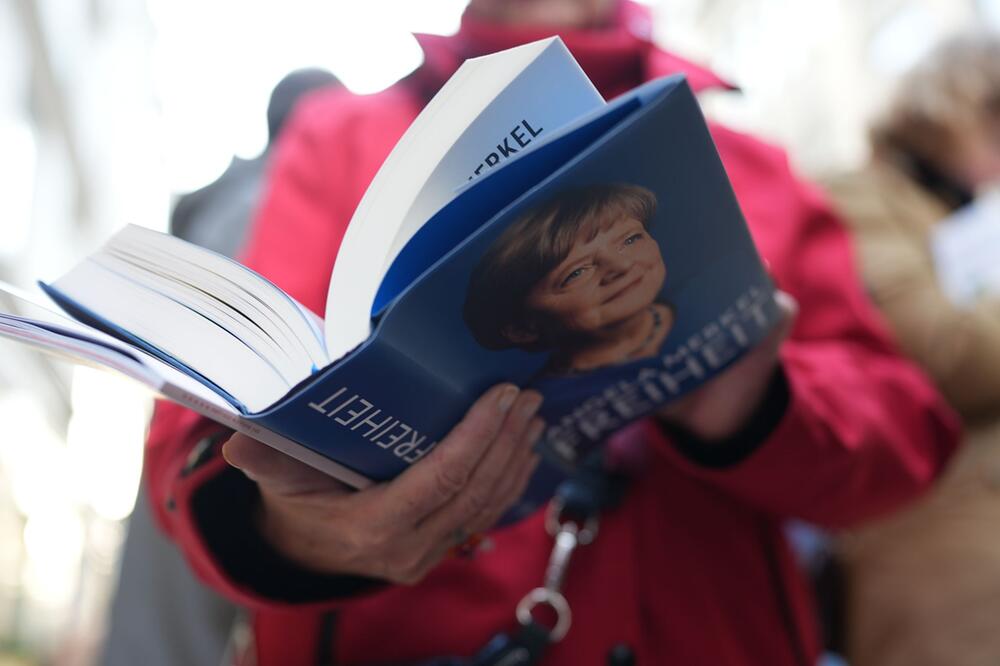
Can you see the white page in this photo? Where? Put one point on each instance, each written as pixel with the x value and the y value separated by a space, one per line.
pixel 212 315
pixel 966 250
pixel 481 104
pixel 29 317
pixel 174 385
pixel 209 309
pixel 207 271
pixel 177 331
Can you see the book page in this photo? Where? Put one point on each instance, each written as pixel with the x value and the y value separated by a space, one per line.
pixel 205 277
pixel 31 319
pixel 34 315
pixel 174 332
pixel 195 309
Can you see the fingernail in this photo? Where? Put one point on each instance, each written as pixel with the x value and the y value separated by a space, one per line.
pixel 249 475
pixel 531 404
pixel 507 397
pixel 225 456
pixel 535 431
pixel 533 463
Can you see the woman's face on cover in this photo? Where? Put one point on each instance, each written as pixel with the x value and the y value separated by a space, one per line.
pixel 603 281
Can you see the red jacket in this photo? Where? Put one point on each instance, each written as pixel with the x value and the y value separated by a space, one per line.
pixel 692 568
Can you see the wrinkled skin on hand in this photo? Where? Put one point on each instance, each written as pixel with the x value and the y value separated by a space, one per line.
pixel 399 530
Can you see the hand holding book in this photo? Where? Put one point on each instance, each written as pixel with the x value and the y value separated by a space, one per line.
pixel 721 409
pixel 466 484
pixel 399 530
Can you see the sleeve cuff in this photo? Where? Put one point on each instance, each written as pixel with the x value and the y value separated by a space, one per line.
pixel 733 450
pixel 223 509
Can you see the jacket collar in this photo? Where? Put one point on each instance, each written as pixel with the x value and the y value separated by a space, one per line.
pixel 665 63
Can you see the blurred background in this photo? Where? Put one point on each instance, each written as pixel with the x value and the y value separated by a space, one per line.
pixel 111 109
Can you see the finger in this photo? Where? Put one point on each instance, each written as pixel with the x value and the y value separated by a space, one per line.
pixel 514 442
pixel 480 494
pixel 486 490
pixel 765 353
pixel 757 362
pixel 516 491
pixel 275 470
pixel 432 539
pixel 514 484
pixel 789 309
pixel 447 469
pixel 519 476
pixel 428 541
pixel 522 459
pixel 786 303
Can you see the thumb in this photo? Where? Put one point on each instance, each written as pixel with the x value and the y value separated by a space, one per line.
pixel 789 308
pixel 274 470
pixel 761 358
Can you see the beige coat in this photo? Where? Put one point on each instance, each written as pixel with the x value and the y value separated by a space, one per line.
pixel 924 584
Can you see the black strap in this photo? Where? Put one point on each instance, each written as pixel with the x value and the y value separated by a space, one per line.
pixel 592 489
pixel 523 649
pixel 324 646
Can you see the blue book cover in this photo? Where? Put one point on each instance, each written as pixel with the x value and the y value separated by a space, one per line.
pixel 609 267
pixel 614 273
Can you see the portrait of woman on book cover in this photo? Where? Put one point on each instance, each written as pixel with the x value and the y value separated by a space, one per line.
pixel 578 276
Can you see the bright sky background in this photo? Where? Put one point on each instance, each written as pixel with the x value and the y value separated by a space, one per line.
pixel 215 64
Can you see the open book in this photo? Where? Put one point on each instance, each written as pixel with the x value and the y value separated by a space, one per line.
pixel 521 230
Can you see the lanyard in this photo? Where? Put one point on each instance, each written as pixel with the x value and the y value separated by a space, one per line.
pixel 572 519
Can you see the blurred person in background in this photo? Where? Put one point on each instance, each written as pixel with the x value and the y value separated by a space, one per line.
pixel 218 215
pixel 161 615
pixel 924 585
pixel 823 421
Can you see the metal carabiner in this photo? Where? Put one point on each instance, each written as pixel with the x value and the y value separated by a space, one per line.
pixel 566 542
pixel 541 596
